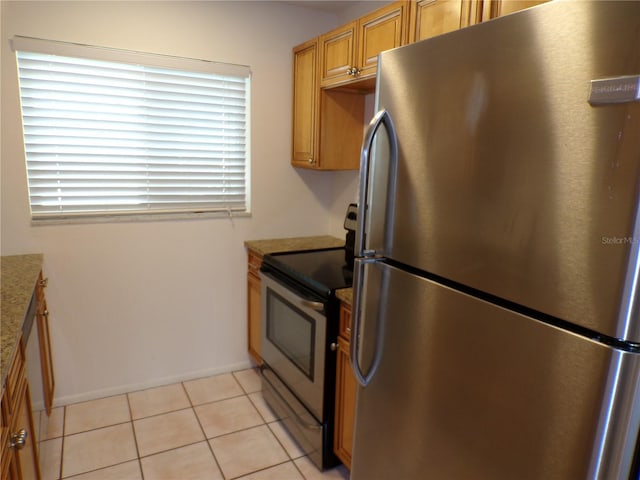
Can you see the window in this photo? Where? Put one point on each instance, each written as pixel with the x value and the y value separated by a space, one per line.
pixel 113 132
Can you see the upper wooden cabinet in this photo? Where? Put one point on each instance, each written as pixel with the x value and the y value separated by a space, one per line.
pixel 350 52
pixel 497 8
pixel 429 18
pixel 305 103
pixel 338 54
pixel 327 124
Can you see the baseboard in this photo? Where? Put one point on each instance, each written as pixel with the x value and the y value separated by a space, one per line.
pixel 158 382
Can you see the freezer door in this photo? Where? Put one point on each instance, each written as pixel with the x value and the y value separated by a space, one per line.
pixel 468 390
pixel 511 176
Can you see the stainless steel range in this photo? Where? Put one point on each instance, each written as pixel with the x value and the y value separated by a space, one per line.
pixel 299 326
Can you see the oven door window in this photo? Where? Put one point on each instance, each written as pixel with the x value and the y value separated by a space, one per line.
pixel 292 332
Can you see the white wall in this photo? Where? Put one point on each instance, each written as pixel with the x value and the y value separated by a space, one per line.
pixel 141 304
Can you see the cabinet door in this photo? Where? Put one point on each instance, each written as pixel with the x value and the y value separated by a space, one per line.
pixel 434 17
pixel 253 306
pixel 25 455
pixel 384 29
pixel 497 8
pixel 46 355
pixel 337 55
pixel 5 452
pixel 345 404
pixel 305 104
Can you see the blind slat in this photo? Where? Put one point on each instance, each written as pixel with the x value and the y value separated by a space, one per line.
pixel 103 137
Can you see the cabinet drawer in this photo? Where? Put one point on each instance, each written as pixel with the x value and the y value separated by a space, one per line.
pixel 345 321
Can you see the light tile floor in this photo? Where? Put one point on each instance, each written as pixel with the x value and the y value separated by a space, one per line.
pixel 214 428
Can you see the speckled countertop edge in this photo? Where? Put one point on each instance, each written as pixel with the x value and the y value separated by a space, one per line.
pixel 18 277
pixel 345 295
pixel 273 245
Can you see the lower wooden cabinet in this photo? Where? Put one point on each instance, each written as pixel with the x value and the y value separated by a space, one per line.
pixel 19 451
pixel 253 306
pixel 44 337
pixel 25 455
pixel 346 387
pixel 19 442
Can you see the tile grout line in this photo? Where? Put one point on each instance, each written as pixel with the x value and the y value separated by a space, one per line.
pixel 64 428
pixel 135 437
pixel 204 434
pixel 75 475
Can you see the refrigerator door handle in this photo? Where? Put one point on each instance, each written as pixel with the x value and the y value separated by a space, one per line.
pixel 354 348
pixel 364 211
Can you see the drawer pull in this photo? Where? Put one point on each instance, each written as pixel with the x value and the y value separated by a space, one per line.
pixel 19 439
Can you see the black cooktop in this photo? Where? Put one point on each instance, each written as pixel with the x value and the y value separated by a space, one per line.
pixel 321 270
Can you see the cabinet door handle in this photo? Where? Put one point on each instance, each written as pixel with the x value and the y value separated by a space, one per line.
pixel 19 439
pixel 44 282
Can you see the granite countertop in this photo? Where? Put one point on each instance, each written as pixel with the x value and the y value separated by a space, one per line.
pixel 18 277
pixel 345 295
pixel 273 245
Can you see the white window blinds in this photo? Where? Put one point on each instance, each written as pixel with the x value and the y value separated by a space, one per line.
pixel 145 134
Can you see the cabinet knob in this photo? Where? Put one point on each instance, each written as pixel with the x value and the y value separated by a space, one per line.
pixel 333 347
pixel 19 439
pixel 353 71
pixel 44 282
pixel 46 313
pixel 310 160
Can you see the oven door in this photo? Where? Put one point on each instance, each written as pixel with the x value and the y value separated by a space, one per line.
pixel 294 331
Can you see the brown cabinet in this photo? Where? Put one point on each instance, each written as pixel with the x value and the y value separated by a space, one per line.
pixel 305 104
pixel 327 125
pixel 350 52
pixel 253 306
pixel 346 388
pixel 497 8
pixel 338 56
pixel 44 337
pixel 19 451
pixel 429 18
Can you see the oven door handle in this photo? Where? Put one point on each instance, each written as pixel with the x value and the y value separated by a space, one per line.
pixel 317 306
pixel 301 301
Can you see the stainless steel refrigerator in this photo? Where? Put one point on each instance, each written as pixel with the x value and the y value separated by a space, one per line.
pixel 496 323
